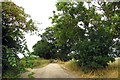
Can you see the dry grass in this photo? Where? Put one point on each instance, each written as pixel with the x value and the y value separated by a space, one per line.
pixel 36 63
pixel 110 72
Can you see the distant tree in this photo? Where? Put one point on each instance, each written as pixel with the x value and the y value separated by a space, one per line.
pixel 43 49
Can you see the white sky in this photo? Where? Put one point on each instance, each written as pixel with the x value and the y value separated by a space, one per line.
pixel 40 11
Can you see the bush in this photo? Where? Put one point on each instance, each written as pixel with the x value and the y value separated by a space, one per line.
pixel 13 72
pixel 95 51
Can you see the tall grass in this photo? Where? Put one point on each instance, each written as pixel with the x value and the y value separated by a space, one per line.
pixel 15 72
pixel 36 62
pixel 110 72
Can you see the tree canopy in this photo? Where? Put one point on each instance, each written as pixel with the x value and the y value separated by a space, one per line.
pixel 92 36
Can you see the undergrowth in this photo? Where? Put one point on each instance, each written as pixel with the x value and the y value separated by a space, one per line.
pixel 109 72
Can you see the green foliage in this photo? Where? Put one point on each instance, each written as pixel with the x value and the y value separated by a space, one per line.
pixel 92 36
pixel 112 12
pixel 13 72
pixel 35 62
pixel 31 75
pixel 83 31
pixel 95 52
pixel 14 25
pixel 43 49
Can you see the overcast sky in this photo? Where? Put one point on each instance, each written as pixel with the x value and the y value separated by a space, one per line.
pixel 40 11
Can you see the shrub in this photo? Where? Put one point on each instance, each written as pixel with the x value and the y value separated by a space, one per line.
pixel 95 50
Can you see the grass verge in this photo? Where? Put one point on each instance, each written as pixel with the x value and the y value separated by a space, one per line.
pixel 36 63
pixel 110 72
pixel 15 72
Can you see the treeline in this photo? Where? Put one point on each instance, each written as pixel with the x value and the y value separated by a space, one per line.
pixel 87 33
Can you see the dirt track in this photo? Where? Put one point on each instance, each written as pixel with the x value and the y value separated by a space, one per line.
pixel 52 70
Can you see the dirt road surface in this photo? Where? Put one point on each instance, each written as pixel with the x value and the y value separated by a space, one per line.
pixel 52 70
